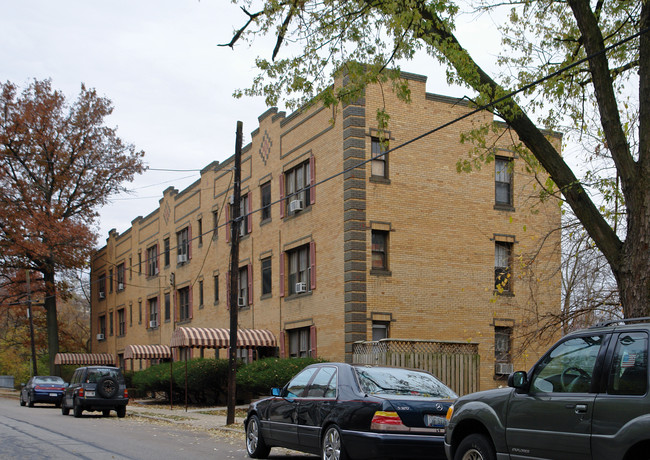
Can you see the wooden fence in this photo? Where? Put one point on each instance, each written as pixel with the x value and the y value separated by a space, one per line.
pixel 456 364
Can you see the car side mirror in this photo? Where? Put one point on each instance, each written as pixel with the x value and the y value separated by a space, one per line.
pixel 276 391
pixel 518 380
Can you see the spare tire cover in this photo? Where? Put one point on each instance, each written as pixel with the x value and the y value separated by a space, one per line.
pixel 107 387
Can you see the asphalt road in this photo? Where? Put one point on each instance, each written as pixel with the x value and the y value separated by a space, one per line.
pixel 42 432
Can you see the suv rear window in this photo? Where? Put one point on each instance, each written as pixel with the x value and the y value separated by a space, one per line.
pixel 94 375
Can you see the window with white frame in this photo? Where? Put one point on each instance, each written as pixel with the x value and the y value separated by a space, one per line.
pixel 152 260
pixel 153 312
pixel 242 301
pixel 299 342
pixel 503 181
pixel 183 245
pixel 120 277
pixel 379 163
pixel 299 270
pixel 297 191
pixel 502 266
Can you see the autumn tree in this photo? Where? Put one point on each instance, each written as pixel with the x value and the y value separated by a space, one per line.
pixel 59 163
pixel 584 66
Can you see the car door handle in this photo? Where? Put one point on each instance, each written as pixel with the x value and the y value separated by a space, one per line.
pixel 581 409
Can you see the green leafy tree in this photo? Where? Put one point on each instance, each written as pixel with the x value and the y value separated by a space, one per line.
pixel 540 37
pixel 59 163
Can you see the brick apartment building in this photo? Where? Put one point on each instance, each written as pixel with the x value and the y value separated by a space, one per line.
pixel 403 246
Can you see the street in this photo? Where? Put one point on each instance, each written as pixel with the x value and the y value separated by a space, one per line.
pixel 42 432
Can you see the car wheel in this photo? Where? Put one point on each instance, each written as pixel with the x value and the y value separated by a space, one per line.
pixel 30 403
pixel 107 387
pixel 121 411
pixel 475 447
pixel 22 401
pixel 255 445
pixel 106 412
pixel 77 409
pixel 332 445
pixel 65 410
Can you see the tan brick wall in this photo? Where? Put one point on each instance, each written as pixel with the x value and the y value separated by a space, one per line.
pixel 441 244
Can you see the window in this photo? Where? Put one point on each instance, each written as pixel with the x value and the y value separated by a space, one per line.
pixel 200 225
pixel 379 330
pixel 379 164
pixel 167 248
pixel 120 277
pixel 502 348
pixel 152 260
pixel 629 371
pixel 110 324
pixel 121 322
pixel 568 368
pixel 298 384
pixel 110 280
pixel 101 286
pixel 242 301
pixel 139 311
pixel 298 193
pixel 299 342
pixel 139 262
pixel 201 294
pixel 267 278
pixel 266 201
pixel 380 250
pixel 299 270
pixel 503 181
pixel 153 312
pixel 183 245
pixel 243 213
pixel 130 314
pixel 216 288
pixel 102 325
pixel 215 224
pixel 502 266
pixel 184 304
pixel 324 384
pixel 167 306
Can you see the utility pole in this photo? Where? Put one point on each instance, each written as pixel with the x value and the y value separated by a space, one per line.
pixel 31 323
pixel 234 278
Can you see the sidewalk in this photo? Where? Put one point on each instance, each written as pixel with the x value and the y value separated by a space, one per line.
pixel 203 418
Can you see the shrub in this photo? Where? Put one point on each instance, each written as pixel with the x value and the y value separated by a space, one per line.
pixel 260 376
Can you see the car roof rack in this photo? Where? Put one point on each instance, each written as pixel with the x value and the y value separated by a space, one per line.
pixel 644 319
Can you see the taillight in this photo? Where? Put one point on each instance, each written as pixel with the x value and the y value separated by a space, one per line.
pixel 387 421
pixel 38 387
pixel 80 392
pixel 126 393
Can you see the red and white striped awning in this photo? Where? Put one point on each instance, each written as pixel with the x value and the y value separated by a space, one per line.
pixel 85 359
pixel 203 337
pixel 147 352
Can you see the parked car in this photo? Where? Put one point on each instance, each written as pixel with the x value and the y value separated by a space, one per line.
pixel 42 389
pixel 586 398
pixel 96 388
pixel 344 411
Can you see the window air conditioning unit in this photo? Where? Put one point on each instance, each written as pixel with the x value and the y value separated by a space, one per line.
pixel 231 199
pixel 241 302
pixel 120 286
pixel 295 205
pixel 504 368
pixel 100 336
pixel 301 287
pixel 153 323
pixel 182 258
pixel 102 295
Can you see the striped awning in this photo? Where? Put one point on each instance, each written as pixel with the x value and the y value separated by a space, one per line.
pixel 85 359
pixel 203 337
pixel 147 352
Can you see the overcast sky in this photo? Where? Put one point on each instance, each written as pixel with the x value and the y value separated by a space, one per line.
pixel 171 85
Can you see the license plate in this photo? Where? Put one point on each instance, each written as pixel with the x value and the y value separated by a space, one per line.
pixel 90 393
pixel 54 395
pixel 435 421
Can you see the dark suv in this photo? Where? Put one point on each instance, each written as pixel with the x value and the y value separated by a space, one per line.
pixel 96 388
pixel 586 398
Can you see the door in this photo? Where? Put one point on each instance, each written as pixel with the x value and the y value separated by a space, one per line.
pixel 282 419
pixel 553 420
pixel 315 406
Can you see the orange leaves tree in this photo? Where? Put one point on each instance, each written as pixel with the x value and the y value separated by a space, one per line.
pixel 59 163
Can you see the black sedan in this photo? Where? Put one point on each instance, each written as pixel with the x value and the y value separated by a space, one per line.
pixel 43 389
pixel 342 411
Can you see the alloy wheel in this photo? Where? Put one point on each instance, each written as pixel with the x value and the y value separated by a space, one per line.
pixel 332 445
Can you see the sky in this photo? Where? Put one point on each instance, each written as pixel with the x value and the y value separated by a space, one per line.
pixel 170 84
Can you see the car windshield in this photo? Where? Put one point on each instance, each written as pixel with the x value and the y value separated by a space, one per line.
pixel 383 380
pixel 48 379
pixel 95 374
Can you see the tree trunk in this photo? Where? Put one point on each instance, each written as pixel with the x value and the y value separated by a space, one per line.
pixel 50 309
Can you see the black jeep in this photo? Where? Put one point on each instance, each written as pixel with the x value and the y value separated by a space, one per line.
pixel 96 388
